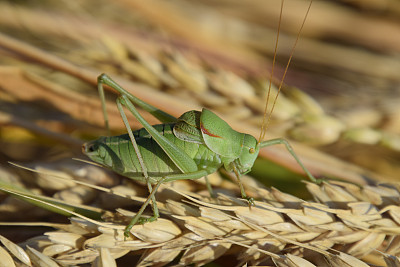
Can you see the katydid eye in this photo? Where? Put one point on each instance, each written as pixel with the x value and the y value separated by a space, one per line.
pixel 252 150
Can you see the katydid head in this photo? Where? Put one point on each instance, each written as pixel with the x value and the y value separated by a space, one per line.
pixel 250 150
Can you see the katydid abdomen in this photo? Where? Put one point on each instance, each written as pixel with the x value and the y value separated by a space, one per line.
pixel 118 154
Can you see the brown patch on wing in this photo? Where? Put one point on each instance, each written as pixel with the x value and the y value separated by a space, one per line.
pixel 205 131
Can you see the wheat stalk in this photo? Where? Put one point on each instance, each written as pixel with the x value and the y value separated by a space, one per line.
pixel 344 225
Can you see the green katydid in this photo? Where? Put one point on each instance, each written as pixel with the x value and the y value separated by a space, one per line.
pixel 192 146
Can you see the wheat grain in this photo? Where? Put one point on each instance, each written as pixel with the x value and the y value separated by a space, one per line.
pixel 346 223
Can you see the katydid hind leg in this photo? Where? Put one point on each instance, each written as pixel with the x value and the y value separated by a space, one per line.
pixel 174 152
pixel 153 207
pixel 281 141
pixel 170 178
pixel 137 218
pixel 132 137
pixel 103 105
pixel 163 116
pixel 127 97
pixel 141 162
pixel 154 203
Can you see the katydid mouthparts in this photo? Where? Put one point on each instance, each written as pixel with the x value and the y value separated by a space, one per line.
pixel 192 146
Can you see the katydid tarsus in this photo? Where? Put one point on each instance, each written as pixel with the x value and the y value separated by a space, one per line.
pixel 192 146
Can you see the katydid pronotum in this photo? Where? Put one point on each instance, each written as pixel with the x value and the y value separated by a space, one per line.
pixel 192 146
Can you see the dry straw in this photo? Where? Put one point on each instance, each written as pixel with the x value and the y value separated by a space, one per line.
pixel 345 225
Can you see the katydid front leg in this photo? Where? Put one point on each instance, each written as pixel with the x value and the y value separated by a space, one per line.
pixel 209 187
pixel 281 141
pixel 250 200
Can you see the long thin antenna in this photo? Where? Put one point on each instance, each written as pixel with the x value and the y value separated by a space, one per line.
pixel 265 127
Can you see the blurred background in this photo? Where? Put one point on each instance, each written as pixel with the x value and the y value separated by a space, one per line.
pixel 339 105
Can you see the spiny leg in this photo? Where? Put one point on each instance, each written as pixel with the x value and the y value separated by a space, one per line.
pixel 157 113
pixel 103 104
pixel 180 159
pixel 104 79
pixel 282 141
pixel 182 156
pixel 141 162
pixel 125 99
pixel 169 178
pixel 178 156
pixel 137 218
pixel 153 207
pixel 132 137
